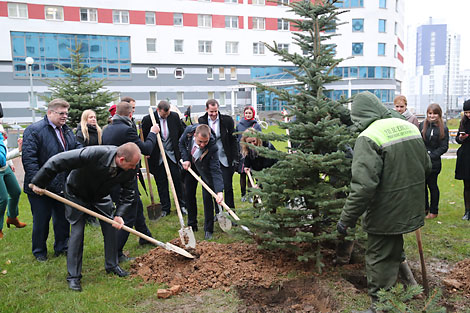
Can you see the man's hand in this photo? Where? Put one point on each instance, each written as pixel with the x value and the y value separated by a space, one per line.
pixel 186 165
pixel 463 136
pixel 341 228
pixel 247 170
pixel 155 129
pixel 20 144
pixel 12 167
pixel 120 221
pixel 37 190
pixel 220 197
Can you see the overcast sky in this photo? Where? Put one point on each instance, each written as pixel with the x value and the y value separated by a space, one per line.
pixel 454 13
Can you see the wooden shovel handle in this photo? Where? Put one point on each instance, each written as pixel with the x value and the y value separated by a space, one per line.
pixel 423 264
pixel 147 169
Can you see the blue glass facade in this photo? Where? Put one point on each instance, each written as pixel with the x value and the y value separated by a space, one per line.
pixel 385 95
pixel 436 35
pixel 111 54
pixel 350 4
pixel 365 72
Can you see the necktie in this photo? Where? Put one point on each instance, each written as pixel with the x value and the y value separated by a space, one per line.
pixel 214 128
pixel 193 150
pixel 164 130
pixel 62 137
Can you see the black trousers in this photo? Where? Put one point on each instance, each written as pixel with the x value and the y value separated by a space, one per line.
pixel 161 179
pixel 227 176
pixel 75 251
pixel 42 209
pixel 191 203
pixel 431 184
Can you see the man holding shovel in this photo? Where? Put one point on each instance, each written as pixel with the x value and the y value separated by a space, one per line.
pixel 389 169
pixel 95 171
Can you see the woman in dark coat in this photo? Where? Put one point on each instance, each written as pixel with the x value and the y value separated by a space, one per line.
pixel 462 167
pixel 436 139
pixel 88 131
pixel 249 121
pixel 253 160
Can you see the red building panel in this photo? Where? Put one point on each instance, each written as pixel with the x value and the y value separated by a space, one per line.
pixel 241 1
pixel 402 46
pixel 293 27
pixel 218 0
pixel 164 18
pixel 250 22
pixel 36 11
pixel 400 57
pixel 137 17
pixel 190 19
pixel 218 21
pixel 105 16
pixel 240 22
pixel 250 2
pixel 271 23
pixel 267 2
pixel 72 14
pixel 3 9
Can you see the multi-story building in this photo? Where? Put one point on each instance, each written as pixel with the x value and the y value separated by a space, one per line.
pixel 185 50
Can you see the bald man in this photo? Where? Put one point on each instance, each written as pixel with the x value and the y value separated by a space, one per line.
pixel 94 171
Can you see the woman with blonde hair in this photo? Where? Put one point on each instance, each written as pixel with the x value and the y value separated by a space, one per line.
pixel 253 160
pixel 436 139
pixel 88 131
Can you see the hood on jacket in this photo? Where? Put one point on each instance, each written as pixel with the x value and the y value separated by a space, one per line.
pixel 124 119
pixel 366 108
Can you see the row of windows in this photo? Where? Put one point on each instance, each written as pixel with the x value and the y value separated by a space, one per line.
pixel 152 72
pixel 360 4
pixel 110 54
pixel 385 95
pixel 365 72
pixel 205 46
pixel 221 97
pixel 358 49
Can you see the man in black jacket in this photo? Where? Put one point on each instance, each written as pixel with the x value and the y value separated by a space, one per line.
pixel 199 151
pixel 41 141
pixel 171 131
pixel 95 170
pixel 116 134
pixel 223 127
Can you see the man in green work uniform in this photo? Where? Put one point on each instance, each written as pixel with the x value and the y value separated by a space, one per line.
pixel 389 169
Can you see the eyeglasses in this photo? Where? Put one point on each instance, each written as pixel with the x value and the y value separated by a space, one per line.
pixel 61 113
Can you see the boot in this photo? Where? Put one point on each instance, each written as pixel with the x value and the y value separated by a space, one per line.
pixel 466 215
pixel 1 234
pixel 406 274
pixel 15 221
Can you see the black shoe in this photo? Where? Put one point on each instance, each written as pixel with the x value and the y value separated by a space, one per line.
pixel 164 213
pixel 466 217
pixel 124 258
pixel 41 258
pixel 74 284
pixel 184 211
pixel 117 271
pixel 59 253
pixel 208 235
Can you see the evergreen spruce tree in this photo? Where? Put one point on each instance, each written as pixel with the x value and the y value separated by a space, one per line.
pixel 80 90
pixel 304 192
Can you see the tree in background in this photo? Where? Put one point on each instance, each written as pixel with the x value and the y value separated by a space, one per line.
pixel 80 90
pixel 304 192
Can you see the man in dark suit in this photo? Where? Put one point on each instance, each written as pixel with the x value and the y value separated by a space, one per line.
pixel 199 151
pixel 41 141
pixel 116 134
pixel 223 127
pixel 171 130
pixel 95 170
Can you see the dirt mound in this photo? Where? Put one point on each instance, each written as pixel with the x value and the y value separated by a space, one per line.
pixel 459 277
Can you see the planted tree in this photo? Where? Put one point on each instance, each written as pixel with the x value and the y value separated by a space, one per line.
pixel 80 90
pixel 303 193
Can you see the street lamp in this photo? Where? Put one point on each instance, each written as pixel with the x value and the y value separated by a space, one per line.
pixel 32 99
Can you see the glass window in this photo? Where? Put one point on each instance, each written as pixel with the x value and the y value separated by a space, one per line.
pixel 381 48
pixel 54 13
pixel 396 5
pixel 88 15
pixel 258 48
pixel 17 10
pixel 120 17
pixel 378 72
pixel 205 46
pixel 362 72
pixel 178 43
pixel 383 4
pixel 357 48
pixel 386 72
pixel 283 46
pixel 222 98
pixel 259 2
pixel 282 24
pixel 230 1
pixel 283 2
pixel 151 45
pixel 231 22
pixel 150 18
pixel 395 51
pixel 179 73
pixel 221 73
pixel 178 19
pixel 396 28
pixel 371 72
pixel 233 73
pixel 210 73
pixel 346 72
pixel 204 20
pixel 231 47
pixel 211 95
pixel 382 24
pixel 152 72
pixel 357 25
pixel 153 98
pixel 355 3
pixel 353 71
pixel 258 23
pixel 180 98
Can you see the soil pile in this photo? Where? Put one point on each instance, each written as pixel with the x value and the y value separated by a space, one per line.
pixel 459 277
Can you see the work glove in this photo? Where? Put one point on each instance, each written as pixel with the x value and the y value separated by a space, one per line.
pixel 341 228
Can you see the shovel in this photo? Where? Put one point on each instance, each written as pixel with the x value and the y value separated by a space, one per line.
pixel 154 210
pixel 213 194
pixel 167 246
pixel 252 182
pixel 423 264
pixel 184 232
pixel 222 218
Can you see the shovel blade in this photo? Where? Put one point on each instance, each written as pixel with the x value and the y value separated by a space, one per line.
pixel 154 211
pixel 187 233
pixel 178 250
pixel 224 222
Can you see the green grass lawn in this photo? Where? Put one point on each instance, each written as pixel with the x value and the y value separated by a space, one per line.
pixel 30 286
